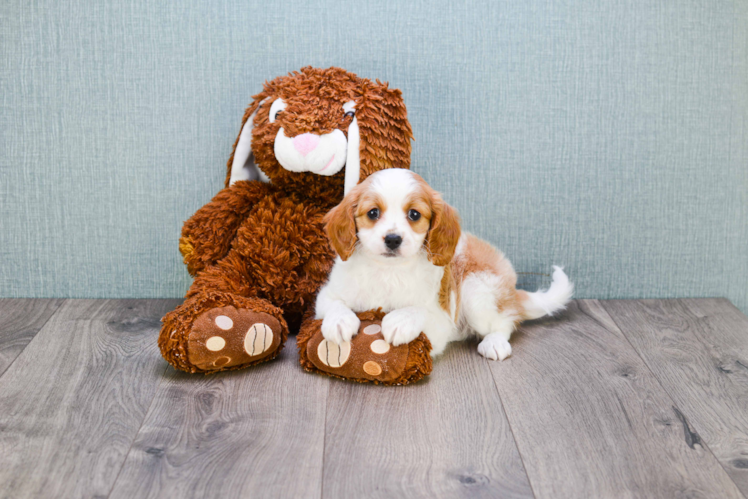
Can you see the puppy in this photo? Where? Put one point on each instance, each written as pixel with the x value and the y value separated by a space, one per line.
pixel 400 248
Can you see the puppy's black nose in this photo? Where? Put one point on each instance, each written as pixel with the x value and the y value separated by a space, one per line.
pixel 392 241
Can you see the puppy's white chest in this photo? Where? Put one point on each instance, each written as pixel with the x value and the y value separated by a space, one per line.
pixel 368 285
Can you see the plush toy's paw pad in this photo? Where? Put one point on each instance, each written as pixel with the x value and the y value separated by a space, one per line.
pixel 226 336
pixel 333 355
pixel 366 356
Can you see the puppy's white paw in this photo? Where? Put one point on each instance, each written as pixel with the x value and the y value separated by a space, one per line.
pixel 495 347
pixel 340 326
pixel 402 325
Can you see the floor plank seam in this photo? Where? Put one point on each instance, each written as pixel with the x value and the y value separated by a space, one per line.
pixel 135 437
pixel 682 417
pixel 511 429
pixel 57 309
pixel 324 442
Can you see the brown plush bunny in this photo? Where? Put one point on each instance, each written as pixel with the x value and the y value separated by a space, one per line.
pixel 258 250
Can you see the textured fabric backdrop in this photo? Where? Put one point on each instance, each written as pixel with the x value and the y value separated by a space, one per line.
pixel 606 136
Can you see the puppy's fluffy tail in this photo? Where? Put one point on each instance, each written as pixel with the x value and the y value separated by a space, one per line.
pixel 548 302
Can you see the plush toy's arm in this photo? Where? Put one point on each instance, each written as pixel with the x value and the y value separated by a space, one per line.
pixel 207 235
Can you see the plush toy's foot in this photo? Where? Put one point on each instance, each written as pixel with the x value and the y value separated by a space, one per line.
pixel 367 357
pixel 222 332
pixel 223 337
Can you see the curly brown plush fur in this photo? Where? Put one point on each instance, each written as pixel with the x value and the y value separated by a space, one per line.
pixel 261 248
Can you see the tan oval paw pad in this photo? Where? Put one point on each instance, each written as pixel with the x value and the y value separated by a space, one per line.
pixel 215 343
pixel 259 339
pixel 372 329
pixel 372 368
pixel 222 361
pixel 379 346
pixel 224 322
pixel 332 354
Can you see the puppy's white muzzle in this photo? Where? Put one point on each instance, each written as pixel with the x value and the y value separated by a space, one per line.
pixel 320 154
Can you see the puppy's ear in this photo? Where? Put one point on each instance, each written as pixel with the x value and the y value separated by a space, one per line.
pixel 444 233
pixel 340 224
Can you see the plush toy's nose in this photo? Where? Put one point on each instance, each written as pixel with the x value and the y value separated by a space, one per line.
pixel 305 143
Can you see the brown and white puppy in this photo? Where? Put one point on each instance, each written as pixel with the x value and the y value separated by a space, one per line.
pixel 400 248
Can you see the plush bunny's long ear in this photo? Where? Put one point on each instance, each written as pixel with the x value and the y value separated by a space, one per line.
pixel 241 164
pixel 384 132
pixel 353 159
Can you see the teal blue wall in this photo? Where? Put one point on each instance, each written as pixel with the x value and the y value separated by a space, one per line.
pixel 606 136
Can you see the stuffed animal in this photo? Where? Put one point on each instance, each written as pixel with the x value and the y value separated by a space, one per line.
pixel 258 251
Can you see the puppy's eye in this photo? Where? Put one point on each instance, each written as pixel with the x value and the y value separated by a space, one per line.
pixel 373 214
pixel 349 114
pixel 414 215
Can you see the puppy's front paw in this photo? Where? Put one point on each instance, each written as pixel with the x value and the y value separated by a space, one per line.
pixel 495 347
pixel 340 326
pixel 402 326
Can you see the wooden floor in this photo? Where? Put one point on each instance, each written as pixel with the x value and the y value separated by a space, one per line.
pixel 645 398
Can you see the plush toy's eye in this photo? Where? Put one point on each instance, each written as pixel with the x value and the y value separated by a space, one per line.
pixel 349 109
pixel 414 215
pixel 373 214
pixel 275 109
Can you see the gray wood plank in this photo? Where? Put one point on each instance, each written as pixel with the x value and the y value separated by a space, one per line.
pixel 446 436
pixel 20 320
pixel 257 432
pixel 698 349
pixel 74 399
pixel 591 420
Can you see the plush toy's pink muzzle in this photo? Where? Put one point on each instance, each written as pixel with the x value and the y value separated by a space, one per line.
pixel 305 143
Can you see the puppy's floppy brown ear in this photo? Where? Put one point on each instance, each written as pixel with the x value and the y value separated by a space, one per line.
pixel 444 233
pixel 340 224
